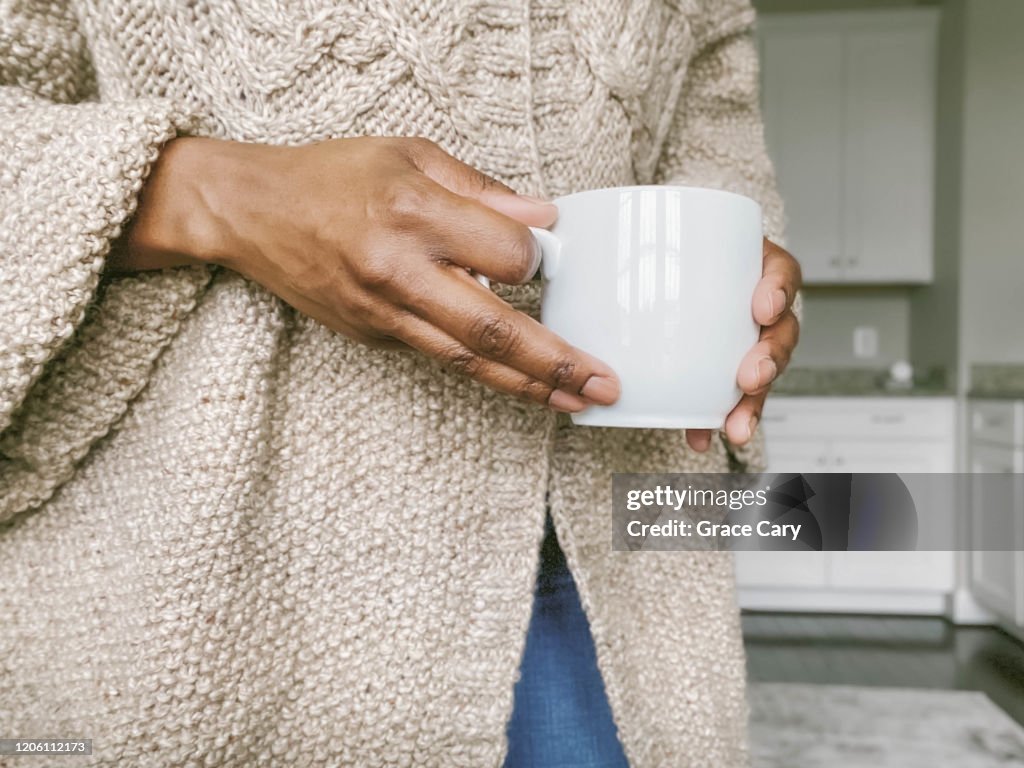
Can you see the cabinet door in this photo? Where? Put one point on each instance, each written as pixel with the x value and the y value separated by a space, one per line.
pixel 786 569
pixel 888 171
pixel 906 456
pixel 930 571
pixel 997 421
pixel 796 455
pixel 997 577
pixel 803 114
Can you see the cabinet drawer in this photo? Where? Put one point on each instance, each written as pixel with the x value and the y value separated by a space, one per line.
pixel 899 418
pixel 995 421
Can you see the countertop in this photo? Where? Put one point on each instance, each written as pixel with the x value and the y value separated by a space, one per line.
pixel 997 382
pixel 857 382
pixel 988 382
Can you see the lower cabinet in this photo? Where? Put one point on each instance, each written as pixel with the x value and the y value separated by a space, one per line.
pixel 997 508
pixel 825 434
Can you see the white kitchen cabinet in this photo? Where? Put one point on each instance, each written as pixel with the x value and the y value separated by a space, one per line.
pixel 930 571
pixel 810 454
pixel 899 455
pixel 803 116
pixel 849 110
pixel 997 422
pixel 788 569
pixel 783 570
pixel 997 509
pixel 831 434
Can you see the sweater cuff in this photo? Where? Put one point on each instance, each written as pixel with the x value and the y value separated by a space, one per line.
pixel 74 353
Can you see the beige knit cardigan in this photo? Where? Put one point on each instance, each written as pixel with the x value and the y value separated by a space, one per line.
pixel 230 537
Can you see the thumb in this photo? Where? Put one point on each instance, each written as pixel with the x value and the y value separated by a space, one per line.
pixel 467 181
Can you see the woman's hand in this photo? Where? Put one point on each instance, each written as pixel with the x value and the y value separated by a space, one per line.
pixel 376 238
pixel 780 331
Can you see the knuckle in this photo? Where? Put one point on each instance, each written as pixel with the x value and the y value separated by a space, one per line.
pixel 798 273
pixel 383 342
pixel 462 361
pixel 793 323
pixel 533 391
pixel 386 321
pixel 563 372
pixel 406 203
pixel 485 182
pixel 375 274
pixel 785 330
pixel 495 336
pixel 437 254
pixel 421 142
pixel 418 146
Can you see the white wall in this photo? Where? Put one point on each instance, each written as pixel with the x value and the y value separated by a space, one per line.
pixel 832 314
pixel 992 216
pixel 935 308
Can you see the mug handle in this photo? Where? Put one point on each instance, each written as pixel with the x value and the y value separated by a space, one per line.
pixel 550 248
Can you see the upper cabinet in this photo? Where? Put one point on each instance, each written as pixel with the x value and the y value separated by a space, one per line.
pixel 849 110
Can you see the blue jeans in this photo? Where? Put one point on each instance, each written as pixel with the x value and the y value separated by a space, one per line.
pixel 561 717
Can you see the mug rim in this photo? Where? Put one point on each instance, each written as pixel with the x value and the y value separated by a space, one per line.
pixel 653 187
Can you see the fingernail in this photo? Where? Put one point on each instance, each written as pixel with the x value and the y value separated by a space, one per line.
pixel 537 256
pixel 751 426
pixel 601 390
pixel 766 370
pixel 777 301
pixel 701 443
pixel 566 403
pixel 537 200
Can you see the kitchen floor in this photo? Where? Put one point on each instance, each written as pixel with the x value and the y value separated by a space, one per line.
pixel 884 651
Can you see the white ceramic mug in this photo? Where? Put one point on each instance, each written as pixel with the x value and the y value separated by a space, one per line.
pixel 657 282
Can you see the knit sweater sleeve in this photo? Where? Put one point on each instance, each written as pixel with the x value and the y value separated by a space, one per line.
pixel 74 348
pixel 717 136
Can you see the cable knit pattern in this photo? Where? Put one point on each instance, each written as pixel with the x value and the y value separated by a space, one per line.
pixel 229 537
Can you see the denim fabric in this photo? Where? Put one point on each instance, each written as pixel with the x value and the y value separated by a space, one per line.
pixel 561 717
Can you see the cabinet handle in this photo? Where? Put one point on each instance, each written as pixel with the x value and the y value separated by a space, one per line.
pixel 981 421
pixel 887 418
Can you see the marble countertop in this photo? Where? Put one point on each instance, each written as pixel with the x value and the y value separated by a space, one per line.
pixel 988 381
pixel 1004 381
pixel 857 382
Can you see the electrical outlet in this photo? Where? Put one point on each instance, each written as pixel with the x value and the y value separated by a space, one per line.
pixel 865 342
